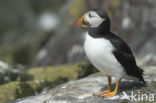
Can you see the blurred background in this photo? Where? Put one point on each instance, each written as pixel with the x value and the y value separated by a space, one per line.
pixel 41 33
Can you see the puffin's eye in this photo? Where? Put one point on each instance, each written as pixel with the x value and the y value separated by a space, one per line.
pixel 90 15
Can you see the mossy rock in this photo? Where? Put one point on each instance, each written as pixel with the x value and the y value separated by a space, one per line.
pixel 14 90
pixel 37 79
pixel 17 89
pixel 69 91
pixel 10 72
pixel 52 73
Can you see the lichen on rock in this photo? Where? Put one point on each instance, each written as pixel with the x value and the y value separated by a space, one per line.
pixel 81 91
pixel 37 80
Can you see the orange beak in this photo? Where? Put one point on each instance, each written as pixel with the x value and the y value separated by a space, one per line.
pixel 82 22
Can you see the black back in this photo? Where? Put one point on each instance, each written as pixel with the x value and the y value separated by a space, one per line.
pixel 125 57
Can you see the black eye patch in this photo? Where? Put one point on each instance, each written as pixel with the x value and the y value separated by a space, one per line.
pixel 90 15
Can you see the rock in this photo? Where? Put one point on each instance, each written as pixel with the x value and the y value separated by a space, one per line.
pixel 42 78
pixel 16 89
pixel 53 73
pixel 81 91
pixel 9 72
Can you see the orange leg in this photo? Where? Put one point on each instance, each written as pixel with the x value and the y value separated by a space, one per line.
pixel 110 94
pixel 108 88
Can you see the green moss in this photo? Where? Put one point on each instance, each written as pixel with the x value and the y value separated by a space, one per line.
pixel 36 79
pixel 69 71
pixel 14 90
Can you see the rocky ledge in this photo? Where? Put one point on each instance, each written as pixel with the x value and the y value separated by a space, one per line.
pixel 81 91
pixel 34 81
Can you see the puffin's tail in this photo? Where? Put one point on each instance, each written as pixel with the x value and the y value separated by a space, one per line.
pixel 142 73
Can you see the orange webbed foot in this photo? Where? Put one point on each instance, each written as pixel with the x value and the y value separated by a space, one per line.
pixel 110 94
pixel 101 93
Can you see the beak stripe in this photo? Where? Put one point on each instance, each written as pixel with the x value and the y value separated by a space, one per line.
pixel 82 22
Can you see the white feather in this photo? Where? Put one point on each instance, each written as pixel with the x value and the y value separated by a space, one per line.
pixel 99 51
pixel 95 20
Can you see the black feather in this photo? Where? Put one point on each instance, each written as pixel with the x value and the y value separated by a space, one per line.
pixel 124 55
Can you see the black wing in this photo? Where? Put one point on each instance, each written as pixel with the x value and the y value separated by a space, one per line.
pixel 125 57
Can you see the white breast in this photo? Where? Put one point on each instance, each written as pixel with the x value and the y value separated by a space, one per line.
pixel 99 52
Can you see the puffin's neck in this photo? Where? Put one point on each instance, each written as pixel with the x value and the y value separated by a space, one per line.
pixel 101 31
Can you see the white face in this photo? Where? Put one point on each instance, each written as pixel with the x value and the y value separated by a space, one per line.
pixel 93 18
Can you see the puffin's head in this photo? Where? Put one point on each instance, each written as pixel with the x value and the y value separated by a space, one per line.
pixel 93 18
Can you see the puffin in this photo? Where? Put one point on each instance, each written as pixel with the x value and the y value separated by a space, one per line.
pixel 108 52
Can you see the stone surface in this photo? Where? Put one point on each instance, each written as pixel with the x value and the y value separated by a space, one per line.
pixel 9 72
pixel 35 80
pixel 63 72
pixel 14 90
pixel 81 91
